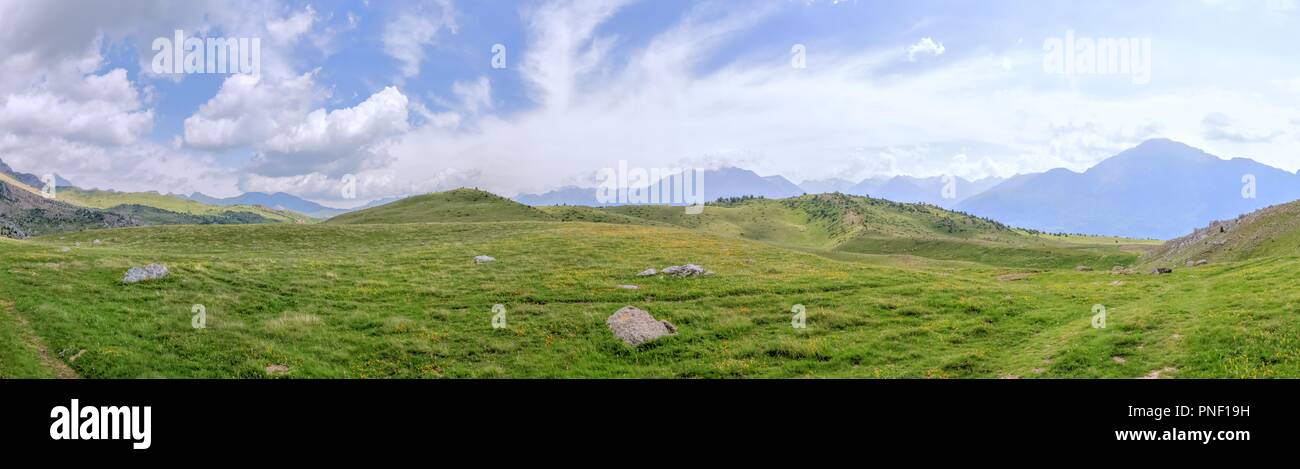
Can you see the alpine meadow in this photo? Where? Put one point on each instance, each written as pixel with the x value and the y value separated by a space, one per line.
pixel 335 189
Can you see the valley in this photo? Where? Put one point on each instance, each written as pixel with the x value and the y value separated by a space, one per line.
pixel 891 290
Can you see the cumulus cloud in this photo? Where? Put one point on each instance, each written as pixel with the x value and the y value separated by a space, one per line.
pixel 98 108
pixel 293 137
pixel 249 109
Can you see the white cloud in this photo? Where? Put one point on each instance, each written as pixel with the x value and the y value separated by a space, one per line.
pixel 249 109
pixel 279 120
pixel 474 95
pixel 406 37
pixel 289 29
pixel 926 46
pixel 98 108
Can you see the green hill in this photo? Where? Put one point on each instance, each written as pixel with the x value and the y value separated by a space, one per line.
pixel 460 205
pixel 25 212
pixel 103 199
pixel 864 225
pixel 1269 232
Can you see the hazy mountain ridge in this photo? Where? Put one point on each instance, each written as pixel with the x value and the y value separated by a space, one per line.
pixel 718 184
pixel 278 201
pixel 1159 189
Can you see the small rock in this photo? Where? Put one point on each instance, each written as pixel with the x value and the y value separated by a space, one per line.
pixel 276 369
pixel 148 272
pixel 1201 262
pixel 66 249
pixel 648 273
pixel 1082 268
pixel 95 242
pixel 1116 283
pixel 1190 263
pixel 482 259
pixel 629 287
pixel 688 270
pixel 635 327
pixel 1161 271
pixel 1118 359
pixel 1156 373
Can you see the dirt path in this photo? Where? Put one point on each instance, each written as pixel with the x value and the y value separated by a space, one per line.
pixel 55 366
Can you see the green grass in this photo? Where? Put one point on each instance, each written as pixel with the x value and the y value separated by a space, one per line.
pixel 408 301
pixel 891 290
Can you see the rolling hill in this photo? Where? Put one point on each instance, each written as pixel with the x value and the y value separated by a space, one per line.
pixel 1269 232
pixel 838 223
pixel 460 205
pixel 25 212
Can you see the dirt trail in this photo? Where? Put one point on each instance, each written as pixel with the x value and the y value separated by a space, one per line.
pixel 55 366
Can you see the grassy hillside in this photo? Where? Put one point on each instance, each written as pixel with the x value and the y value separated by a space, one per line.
pixel 408 301
pixel 149 216
pixel 864 225
pixel 102 199
pixel 25 212
pixel 1272 231
pixel 460 205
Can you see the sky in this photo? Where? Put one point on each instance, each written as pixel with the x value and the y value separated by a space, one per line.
pixel 407 97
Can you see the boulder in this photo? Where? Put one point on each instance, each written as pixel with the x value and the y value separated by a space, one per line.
pixel 141 274
pixel 1201 262
pixel 635 327
pixel 688 270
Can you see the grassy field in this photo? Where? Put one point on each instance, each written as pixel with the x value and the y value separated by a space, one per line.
pixel 367 301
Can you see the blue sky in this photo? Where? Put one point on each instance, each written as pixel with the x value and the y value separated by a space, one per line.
pixel 403 96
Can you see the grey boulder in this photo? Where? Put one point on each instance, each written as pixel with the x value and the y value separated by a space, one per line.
pixel 141 274
pixel 688 270
pixel 635 327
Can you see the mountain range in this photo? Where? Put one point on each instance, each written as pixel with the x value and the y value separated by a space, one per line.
pixel 719 184
pixel 277 201
pixel 1159 189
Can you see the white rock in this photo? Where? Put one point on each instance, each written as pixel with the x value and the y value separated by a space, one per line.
pixel 482 259
pixel 648 273
pixel 148 272
pixel 688 270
